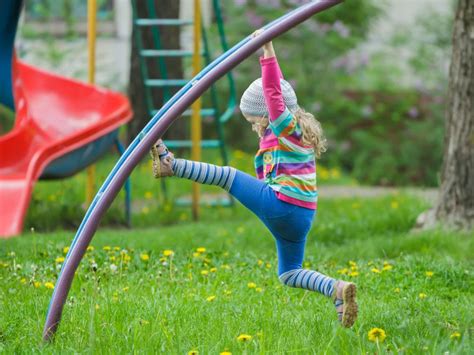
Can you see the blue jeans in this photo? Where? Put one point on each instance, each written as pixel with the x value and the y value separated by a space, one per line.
pixel 288 223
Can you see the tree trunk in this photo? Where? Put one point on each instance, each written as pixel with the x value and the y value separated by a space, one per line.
pixel 170 39
pixel 455 205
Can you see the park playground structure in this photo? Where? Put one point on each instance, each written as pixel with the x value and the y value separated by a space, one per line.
pixel 55 135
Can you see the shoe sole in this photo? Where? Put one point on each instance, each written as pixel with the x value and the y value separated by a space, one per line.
pixel 350 305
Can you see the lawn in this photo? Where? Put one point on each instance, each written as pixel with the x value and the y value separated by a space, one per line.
pixel 198 286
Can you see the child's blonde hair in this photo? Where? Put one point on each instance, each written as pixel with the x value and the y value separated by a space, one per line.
pixel 312 132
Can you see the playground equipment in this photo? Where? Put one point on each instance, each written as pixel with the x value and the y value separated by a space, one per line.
pixel 166 84
pixel 149 135
pixel 62 125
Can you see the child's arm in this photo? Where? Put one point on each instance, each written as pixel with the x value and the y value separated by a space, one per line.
pixel 271 75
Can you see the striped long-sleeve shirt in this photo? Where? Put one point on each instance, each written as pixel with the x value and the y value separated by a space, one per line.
pixel 283 161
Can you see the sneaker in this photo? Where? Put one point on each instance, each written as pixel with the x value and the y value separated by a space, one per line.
pixel 345 302
pixel 162 160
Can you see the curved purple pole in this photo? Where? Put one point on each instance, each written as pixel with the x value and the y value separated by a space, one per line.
pixel 150 134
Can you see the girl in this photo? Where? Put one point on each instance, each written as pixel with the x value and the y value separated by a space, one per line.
pixel 284 196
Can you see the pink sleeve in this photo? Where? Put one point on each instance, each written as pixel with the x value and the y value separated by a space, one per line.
pixel 271 75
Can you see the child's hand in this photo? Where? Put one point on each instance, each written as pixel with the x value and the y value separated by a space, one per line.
pixel 268 50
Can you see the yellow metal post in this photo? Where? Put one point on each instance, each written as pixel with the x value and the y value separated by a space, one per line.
pixel 196 107
pixel 91 39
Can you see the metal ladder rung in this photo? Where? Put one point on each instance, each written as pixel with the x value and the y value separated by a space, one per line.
pixel 166 53
pixel 159 83
pixel 209 143
pixel 162 22
pixel 205 112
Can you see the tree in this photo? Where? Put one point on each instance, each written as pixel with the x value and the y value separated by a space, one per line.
pixel 170 39
pixel 455 205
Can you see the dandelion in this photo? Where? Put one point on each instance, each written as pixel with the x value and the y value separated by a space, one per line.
pixel 117 248
pixel 251 285
pixel 455 336
pixel 268 265
pixel 148 195
pixel 96 306
pixel 396 290
pixel 352 263
pixel 394 205
pixel 65 250
pixel 375 270
pixel 49 285
pixel 307 264
pixel 422 295
pixel 90 248
pixel 204 272
pixel 244 337
pixel 125 289
pixel 259 289
pixel 37 284
pixel 23 281
pixel 193 352
pixel 107 248
pixel 168 252
pixel 225 353
pixel 59 259
pixel 343 271
pixel 210 298
pixel 377 335
pixel 144 257
pixel 354 274
pixel 387 267
pixel 201 250
pixel 259 262
pixel 213 269
pixel 429 273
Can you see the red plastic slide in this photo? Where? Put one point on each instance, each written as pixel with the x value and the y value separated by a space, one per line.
pixel 55 116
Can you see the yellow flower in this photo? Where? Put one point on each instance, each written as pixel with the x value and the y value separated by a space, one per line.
pixel 422 295
pixel 204 272
pixel 268 265
pixel 259 289
pixel 37 284
pixel 49 285
pixel 352 263
pixel 96 306
pixel 116 248
pixel 65 250
pixel 125 289
pixel 396 290
pixel 201 250
pixel 59 259
pixel 148 195
pixel 210 298
pixel 107 248
pixel 168 252
pixel 259 262
pixel 145 257
pixel 213 269
pixel 377 335
pixel 429 273
pixel 251 285
pixel 193 352
pixel 455 336
pixel 394 205
pixel 375 270
pixel 354 274
pixel 244 337
pixel 387 267
pixel 227 292
pixel 23 280
pixel 225 353
pixel 343 271
pixel 196 254
pixel 90 248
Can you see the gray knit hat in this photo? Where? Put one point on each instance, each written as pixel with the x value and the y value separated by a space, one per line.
pixel 253 102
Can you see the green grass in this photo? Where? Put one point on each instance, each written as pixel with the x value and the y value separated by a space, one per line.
pixel 161 305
